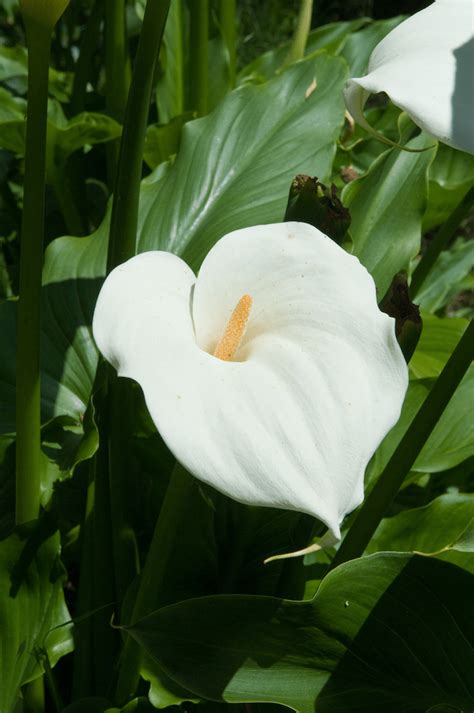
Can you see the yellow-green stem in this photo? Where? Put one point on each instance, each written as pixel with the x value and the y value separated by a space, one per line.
pixel 300 36
pixel 28 451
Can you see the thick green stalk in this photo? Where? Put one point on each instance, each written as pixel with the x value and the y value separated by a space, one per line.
pixel 116 71
pixel 300 36
pixel 228 18
pixel 405 454
pixel 199 55
pixel 122 246
pixel 28 451
pixel 87 50
pixel 123 228
pixel 440 242
pixel 121 470
pixel 152 577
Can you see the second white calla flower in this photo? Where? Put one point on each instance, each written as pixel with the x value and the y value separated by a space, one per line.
pixel 272 376
pixel 426 66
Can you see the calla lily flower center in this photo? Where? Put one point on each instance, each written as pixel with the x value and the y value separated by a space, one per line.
pixel 235 330
pixel 272 375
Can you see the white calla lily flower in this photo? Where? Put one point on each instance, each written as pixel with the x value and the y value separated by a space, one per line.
pixel 426 66
pixel 272 376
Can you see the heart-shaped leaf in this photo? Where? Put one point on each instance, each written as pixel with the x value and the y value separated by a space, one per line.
pixel 374 624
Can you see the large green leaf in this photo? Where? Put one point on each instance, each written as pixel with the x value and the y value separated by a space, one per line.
pixel 388 632
pixel 387 206
pixel 234 167
pixel 442 528
pixel 28 616
pixel 225 177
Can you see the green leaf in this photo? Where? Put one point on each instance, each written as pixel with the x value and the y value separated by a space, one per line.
pixel 14 63
pixel 28 620
pixel 437 342
pixel 64 135
pixel 445 278
pixel 443 528
pixel 387 206
pixel 227 177
pixel 451 176
pixel 326 654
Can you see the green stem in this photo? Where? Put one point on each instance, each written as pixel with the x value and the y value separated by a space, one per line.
pixel 121 467
pixel 52 685
pixel 300 36
pixel 28 418
pixel 124 220
pixel 394 473
pixel 82 669
pixel 122 246
pixel 87 50
pixel 148 596
pixel 440 242
pixel 198 55
pixel 104 638
pixel 116 65
pixel 228 29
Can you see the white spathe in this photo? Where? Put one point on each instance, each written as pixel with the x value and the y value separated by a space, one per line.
pixel 317 382
pixel 426 66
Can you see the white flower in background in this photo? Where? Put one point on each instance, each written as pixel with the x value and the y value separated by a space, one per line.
pixel 426 66
pixel 272 376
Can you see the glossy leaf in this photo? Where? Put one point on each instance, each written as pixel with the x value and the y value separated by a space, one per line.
pixel 441 528
pixel 386 207
pixel 28 619
pixel 230 178
pixel 325 654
